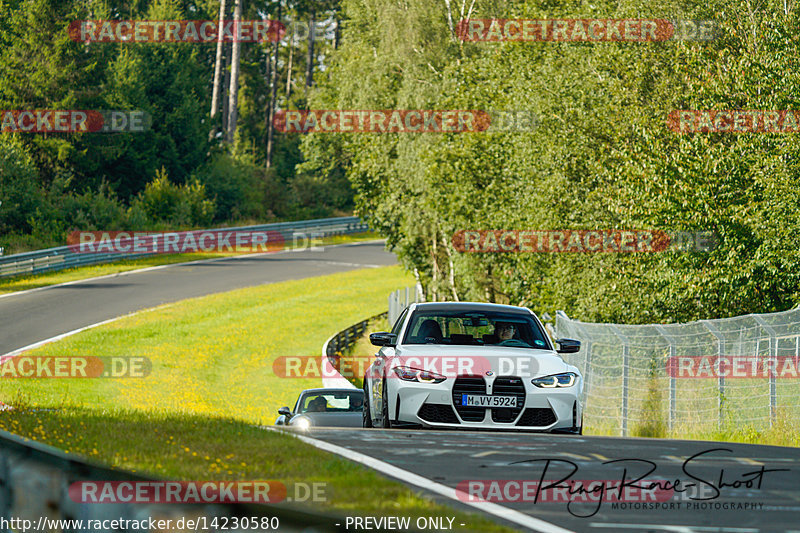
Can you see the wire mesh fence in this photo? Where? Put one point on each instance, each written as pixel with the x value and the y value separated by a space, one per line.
pixel 705 376
pixel 402 298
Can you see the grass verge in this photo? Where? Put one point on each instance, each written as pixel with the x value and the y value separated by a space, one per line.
pixel 22 283
pixel 194 417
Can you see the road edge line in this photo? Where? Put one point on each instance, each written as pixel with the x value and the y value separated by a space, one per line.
pixel 158 267
pixel 494 509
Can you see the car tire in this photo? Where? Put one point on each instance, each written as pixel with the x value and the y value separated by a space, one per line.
pixel 366 413
pixel 386 423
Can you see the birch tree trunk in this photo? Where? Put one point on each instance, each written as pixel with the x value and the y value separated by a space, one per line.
pixel 233 93
pixel 312 31
pixel 273 96
pixel 217 68
pixel 218 62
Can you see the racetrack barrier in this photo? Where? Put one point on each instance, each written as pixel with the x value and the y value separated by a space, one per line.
pixel 335 347
pixel 63 257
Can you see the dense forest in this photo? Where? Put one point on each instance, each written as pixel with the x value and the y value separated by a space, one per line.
pixel 189 168
pixel 601 155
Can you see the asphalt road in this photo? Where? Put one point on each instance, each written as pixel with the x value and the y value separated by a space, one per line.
pixel 29 317
pixel 453 458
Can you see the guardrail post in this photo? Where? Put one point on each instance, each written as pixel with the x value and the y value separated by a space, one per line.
pixel 720 379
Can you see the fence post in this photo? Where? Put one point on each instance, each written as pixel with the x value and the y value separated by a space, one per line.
pixel 720 380
pixel 773 354
pixel 625 364
pixel 673 393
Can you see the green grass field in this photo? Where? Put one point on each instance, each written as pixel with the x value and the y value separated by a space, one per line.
pixel 22 283
pixel 196 415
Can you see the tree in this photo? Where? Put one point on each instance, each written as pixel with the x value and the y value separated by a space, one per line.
pixel 233 93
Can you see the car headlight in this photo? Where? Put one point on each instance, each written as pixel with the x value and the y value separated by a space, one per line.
pixel 406 373
pixel 567 379
pixel 301 422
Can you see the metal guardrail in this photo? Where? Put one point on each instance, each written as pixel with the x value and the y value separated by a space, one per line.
pixel 346 338
pixel 335 347
pixel 35 481
pixel 62 257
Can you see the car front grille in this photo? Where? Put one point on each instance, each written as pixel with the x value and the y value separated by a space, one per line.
pixel 508 386
pixel 469 385
pixel 541 416
pixel 433 412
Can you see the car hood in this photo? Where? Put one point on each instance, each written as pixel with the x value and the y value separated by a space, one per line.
pixel 350 419
pixel 501 360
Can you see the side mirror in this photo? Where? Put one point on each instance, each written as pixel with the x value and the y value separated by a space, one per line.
pixel 284 411
pixel 568 345
pixel 383 339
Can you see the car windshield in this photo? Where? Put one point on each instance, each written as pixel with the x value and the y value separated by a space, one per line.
pixel 475 328
pixel 336 402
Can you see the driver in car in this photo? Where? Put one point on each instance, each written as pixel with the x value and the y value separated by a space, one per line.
pixel 318 405
pixel 505 331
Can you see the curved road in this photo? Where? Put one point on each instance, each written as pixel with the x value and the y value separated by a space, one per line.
pixel 749 501
pixel 29 317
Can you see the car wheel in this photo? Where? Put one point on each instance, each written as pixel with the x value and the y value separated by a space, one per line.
pixel 385 407
pixel 366 413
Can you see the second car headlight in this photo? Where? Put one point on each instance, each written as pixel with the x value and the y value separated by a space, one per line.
pixel 301 422
pixel 406 373
pixel 567 379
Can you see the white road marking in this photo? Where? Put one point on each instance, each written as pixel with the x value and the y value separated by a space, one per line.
pixel 499 511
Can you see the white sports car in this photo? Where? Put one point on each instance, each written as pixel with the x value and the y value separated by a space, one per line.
pixel 472 366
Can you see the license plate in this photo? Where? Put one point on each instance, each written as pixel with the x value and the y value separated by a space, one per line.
pixel 480 400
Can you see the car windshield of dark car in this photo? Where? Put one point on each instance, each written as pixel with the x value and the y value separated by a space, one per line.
pixel 475 328
pixel 338 402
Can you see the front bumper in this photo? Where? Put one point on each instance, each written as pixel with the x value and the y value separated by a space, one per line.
pixel 439 405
